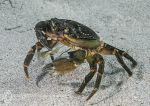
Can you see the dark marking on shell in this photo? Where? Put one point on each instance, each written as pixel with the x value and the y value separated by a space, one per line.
pixel 74 29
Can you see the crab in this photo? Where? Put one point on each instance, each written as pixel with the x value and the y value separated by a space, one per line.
pixel 79 38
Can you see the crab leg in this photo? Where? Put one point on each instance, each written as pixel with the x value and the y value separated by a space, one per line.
pixel 127 56
pixel 107 49
pixel 93 61
pixel 120 60
pixel 100 62
pixel 93 67
pixel 29 57
pixel 88 77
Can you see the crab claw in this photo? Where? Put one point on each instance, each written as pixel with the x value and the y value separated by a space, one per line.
pixel 46 70
pixel 40 77
pixel 42 38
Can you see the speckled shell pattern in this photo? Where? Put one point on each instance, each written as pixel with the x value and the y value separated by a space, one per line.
pixel 75 29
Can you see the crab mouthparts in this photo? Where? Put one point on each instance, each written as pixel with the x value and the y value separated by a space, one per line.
pixel 53 38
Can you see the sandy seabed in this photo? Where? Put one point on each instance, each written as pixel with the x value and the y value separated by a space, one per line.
pixel 124 24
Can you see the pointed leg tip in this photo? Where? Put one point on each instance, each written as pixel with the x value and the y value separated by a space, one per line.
pixel 37 84
pixel 134 64
pixel 92 93
pixel 78 92
pixel 130 74
pixel 28 78
pixel 87 99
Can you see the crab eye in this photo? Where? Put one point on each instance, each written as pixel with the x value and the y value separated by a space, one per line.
pixel 66 30
pixel 52 29
pixel 55 28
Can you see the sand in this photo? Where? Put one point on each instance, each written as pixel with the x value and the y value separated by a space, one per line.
pixel 124 24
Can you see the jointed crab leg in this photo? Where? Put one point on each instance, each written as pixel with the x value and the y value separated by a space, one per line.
pixel 107 49
pixel 99 76
pixel 127 56
pixel 88 77
pixel 29 57
pixel 93 61
pixel 120 60
pixel 110 50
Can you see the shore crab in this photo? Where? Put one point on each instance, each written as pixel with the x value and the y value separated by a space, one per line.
pixel 83 40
